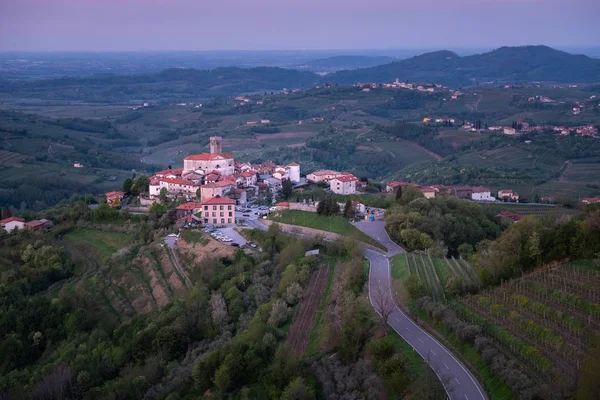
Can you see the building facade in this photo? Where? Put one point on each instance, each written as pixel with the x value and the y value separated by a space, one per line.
pixel 218 211
pixel 343 185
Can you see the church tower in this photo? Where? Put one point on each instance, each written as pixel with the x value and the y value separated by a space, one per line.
pixel 216 144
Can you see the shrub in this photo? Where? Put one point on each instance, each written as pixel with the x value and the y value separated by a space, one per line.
pixel 279 313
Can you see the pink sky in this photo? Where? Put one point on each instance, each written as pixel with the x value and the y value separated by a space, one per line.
pixel 293 24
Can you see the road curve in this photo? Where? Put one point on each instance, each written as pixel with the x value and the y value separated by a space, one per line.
pixel 456 378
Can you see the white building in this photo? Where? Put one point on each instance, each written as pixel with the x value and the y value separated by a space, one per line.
pixel 343 184
pixel 509 131
pixel 323 175
pixel 482 194
pixel 216 160
pixel 294 172
pixel 11 223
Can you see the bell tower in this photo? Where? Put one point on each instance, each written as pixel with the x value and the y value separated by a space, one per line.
pixel 216 144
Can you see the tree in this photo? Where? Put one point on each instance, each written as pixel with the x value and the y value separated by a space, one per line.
pixel 198 193
pixel 328 206
pixel 384 305
pixel 286 189
pixel 140 184
pixel 127 183
pixel 349 211
pixel 279 313
pixel 6 213
pixel 399 194
pixel 164 195
pixel 298 390
pixel 415 287
pixel 219 309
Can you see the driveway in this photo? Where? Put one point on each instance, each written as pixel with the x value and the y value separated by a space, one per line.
pixel 232 233
pixel 457 380
pixel 171 240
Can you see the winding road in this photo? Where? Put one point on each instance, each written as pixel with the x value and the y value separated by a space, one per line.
pixel 456 378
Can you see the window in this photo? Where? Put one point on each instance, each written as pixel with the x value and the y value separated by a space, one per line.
pixel 206 207
pixel 230 213
pixel 214 220
pixel 214 214
pixel 214 207
pixel 221 213
pixel 220 207
pixel 222 220
pixel 229 208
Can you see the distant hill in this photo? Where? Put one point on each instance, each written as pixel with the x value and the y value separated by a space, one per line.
pixel 503 65
pixel 174 81
pixel 347 62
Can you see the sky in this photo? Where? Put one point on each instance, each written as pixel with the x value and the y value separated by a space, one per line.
pixel 143 25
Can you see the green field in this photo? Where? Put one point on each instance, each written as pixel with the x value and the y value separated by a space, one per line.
pixel 105 243
pixel 336 224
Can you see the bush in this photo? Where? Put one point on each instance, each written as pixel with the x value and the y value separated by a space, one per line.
pixel 382 349
pixel 293 293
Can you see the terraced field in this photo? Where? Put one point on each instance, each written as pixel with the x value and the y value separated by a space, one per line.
pixel 433 271
pixel 546 320
pixel 528 209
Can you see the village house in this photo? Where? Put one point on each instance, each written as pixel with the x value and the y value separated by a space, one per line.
pixel 189 208
pixel 114 198
pixel 11 223
pixel 507 215
pixel 591 200
pixel 462 192
pixel 509 131
pixel 218 210
pixel 508 195
pixel 217 189
pixel 39 225
pixel 393 186
pixel 480 193
pixel 322 175
pixel 428 192
pixel 345 184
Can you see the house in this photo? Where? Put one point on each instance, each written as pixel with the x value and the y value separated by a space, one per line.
pixel 322 175
pixel 240 196
pixel 114 198
pixel 462 192
pixel 590 200
pixel 393 186
pixel 39 225
pixel 77 165
pixel 217 189
pixel 509 131
pixel 428 192
pixel 218 210
pixel 508 195
pixel 507 215
pixel 11 223
pixel 345 184
pixel 480 193
pixel 189 208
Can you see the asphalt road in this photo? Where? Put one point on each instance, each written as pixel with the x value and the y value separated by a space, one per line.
pixel 456 378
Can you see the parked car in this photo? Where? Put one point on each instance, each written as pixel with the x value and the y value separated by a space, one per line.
pixel 245 215
pixel 234 244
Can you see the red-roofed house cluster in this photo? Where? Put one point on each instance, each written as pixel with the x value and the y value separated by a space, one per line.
pixel 216 174
pixel 11 223
pixel 476 193
pixel 339 182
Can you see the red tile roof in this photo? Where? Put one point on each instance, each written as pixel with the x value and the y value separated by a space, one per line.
pixel 209 157
pixel 345 178
pixel 218 201
pixel 293 165
pixel 480 189
pixel 112 195
pixel 173 171
pixel 11 219
pixel 283 204
pixel 178 181
pixel 189 206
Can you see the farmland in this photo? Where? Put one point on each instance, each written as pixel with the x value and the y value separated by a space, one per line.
pixel 545 321
pixel 434 272
pixel 528 209
pixel 105 243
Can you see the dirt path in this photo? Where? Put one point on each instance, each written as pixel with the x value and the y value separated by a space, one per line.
pixel 418 146
pixel 307 311
pixel 181 271
pixel 566 165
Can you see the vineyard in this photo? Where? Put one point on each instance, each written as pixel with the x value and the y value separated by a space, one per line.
pixel 435 272
pixel 545 321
